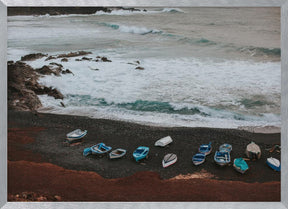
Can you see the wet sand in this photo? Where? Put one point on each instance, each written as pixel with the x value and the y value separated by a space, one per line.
pixel 39 161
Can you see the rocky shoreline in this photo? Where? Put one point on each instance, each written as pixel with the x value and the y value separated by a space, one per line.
pixel 12 11
pixel 23 85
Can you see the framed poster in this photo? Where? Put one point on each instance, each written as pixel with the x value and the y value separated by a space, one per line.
pixel 190 97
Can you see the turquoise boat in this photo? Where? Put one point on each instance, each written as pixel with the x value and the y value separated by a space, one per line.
pixel 240 165
pixel 141 153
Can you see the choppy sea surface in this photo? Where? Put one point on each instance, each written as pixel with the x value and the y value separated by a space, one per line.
pixel 203 67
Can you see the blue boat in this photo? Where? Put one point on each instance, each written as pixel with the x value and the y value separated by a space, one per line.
pixel 274 163
pixel 222 158
pixel 198 159
pixel 240 165
pixel 205 148
pixel 87 151
pixel 100 148
pixel 225 147
pixel 141 153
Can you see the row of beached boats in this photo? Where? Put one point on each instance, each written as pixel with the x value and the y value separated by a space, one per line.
pixel 222 156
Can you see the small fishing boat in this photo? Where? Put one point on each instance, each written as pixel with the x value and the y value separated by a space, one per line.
pixel 205 148
pixel 274 163
pixel 141 153
pixel 117 153
pixel 240 165
pixel 253 151
pixel 87 151
pixel 164 141
pixel 75 135
pixel 198 159
pixel 169 159
pixel 100 149
pixel 222 158
pixel 225 147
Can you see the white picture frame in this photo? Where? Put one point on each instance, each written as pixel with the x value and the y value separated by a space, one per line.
pixel 283 4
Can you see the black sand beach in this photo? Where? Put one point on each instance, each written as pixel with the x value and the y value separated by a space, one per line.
pixel 49 144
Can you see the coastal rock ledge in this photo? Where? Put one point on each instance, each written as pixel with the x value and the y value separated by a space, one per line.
pixel 23 87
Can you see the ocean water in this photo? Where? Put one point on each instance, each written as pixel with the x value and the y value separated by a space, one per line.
pixel 203 67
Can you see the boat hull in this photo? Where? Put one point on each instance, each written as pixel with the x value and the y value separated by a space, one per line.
pixel 114 155
pixel 222 158
pixel 240 165
pixel 140 153
pixel 273 165
pixel 100 149
pixel 198 159
pixel 168 160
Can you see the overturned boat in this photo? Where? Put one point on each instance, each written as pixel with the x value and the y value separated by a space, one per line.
pixel 274 163
pixel 225 147
pixel 100 149
pixel 169 159
pixel 117 153
pixel 253 151
pixel 198 159
pixel 75 135
pixel 164 141
pixel 240 165
pixel 205 148
pixel 141 153
pixel 222 158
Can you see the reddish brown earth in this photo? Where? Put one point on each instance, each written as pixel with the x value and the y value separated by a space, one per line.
pixel 32 176
pixel 49 179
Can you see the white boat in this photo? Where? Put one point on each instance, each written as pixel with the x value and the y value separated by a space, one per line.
pixel 164 141
pixel 169 159
pixel 274 163
pixel 117 153
pixel 253 151
pixel 75 135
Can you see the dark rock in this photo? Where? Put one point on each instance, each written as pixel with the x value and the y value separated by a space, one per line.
pixel 139 68
pixel 138 62
pixel 50 92
pixel 62 104
pixel 67 71
pixel 50 58
pixel 78 60
pixel 86 58
pixel 52 68
pixel 73 54
pixel 105 59
pixel 98 57
pixel 54 63
pixel 10 62
pixel 31 57
pixel 64 60
pixel 23 87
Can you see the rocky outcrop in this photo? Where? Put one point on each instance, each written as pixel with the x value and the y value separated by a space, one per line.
pixel 53 68
pixel 65 56
pixel 102 59
pixel 23 87
pixel 32 57
pixel 54 10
